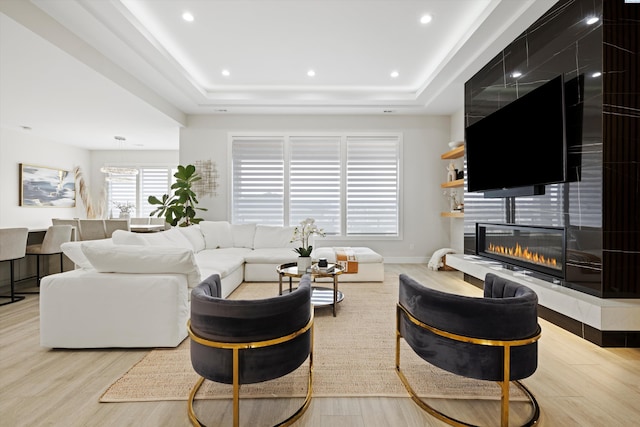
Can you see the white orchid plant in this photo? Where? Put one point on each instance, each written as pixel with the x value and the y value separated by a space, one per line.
pixel 302 233
pixel 125 207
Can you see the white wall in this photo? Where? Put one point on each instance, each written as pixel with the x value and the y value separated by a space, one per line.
pixel 456 228
pixel 19 147
pixel 424 139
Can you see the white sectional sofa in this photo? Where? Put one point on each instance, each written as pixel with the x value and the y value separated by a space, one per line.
pixel 133 290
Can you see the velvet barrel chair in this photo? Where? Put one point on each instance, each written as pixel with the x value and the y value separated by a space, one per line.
pixel 492 338
pixel 249 341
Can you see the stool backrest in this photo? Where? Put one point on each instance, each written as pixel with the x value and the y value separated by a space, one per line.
pixel 54 237
pixel 13 243
pixel 92 229
pixel 111 225
pixel 75 223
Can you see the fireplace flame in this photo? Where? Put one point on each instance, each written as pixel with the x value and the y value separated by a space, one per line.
pixel 519 252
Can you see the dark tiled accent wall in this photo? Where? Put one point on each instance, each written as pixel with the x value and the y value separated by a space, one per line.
pixel 601 209
pixel 621 154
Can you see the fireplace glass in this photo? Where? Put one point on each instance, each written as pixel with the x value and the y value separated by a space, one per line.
pixel 539 249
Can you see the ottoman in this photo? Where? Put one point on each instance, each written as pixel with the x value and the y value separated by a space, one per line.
pixel 370 263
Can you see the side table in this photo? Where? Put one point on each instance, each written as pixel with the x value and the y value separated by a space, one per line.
pixel 319 295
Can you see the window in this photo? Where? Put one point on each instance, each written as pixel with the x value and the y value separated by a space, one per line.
pixel 136 189
pixel 314 182
pixel 348 183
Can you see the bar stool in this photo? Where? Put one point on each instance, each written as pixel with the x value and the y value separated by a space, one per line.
pixel 53 238
pixel 13 244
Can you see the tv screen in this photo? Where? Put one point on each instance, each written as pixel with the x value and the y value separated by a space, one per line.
pixel 523 144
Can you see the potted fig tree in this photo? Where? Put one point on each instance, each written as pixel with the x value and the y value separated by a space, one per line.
pixel 179 208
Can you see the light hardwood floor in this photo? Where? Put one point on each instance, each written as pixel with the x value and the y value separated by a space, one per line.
pixel 576 384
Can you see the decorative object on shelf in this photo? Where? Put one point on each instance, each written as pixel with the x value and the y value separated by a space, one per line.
pixel 459 174
pixel 41 186
pixel 451 175
pixel 180 207
pixel 454 144
pixel 302 233
pixel 452 195
pixel 208 184
pixel 125 208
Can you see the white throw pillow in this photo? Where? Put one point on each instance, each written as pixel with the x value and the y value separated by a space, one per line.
pixel 243 235
pixel 217 234
pixel 122 237
pixel 157 239
pixel 194 235
pixel 269 236
pixel 177 239
pixel 143 259
pixel 73 251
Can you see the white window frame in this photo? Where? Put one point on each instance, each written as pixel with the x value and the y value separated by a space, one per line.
pixel 112 211
pixel 344 136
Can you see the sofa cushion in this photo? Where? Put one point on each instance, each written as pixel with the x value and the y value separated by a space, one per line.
pixel 143 259
pixel 177 239
pixel 123 237
pixel 270 236
pixel 223 261
pixel 217 234
pixel 156 239
pixel 194 235
pixel 73 251
pixel 243 235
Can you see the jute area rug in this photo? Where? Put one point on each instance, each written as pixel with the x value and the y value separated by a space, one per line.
pixel 354 355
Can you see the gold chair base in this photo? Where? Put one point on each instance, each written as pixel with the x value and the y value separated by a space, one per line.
pixel 293 418
pixel 455 422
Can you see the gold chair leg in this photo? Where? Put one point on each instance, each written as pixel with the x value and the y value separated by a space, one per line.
pixel 453 421
pixel 236 398
pixel 192 414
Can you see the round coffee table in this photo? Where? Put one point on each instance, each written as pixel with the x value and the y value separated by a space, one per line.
pixel 320 296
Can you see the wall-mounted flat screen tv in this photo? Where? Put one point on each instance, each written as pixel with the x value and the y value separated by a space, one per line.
pixel 519 148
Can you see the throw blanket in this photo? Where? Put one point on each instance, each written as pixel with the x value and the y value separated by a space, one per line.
pixel 347 259
pixel 436 259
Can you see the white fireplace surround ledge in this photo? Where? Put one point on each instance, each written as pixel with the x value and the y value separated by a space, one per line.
pixel 604 314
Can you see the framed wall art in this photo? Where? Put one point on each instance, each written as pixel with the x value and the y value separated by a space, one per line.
pixel 41 186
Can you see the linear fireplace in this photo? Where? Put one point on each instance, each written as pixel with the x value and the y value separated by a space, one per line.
pixel 541 249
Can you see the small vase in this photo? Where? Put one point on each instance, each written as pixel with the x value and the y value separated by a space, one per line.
pixel 124 215
pixel 304 262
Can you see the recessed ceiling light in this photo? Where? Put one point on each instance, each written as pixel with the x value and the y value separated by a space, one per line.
pixel 226 73
pixel 592 20
pixel 187 16
pixel 516 74
pixel 311 73
pixel 425 19
pixel 395 74
pixel 596 74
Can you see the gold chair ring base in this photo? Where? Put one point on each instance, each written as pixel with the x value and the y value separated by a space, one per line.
pixel 455 422
pixel 293 418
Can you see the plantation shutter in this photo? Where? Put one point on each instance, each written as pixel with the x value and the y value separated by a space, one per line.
pixel 122 189
pixel 153 182
pixel 314 181
pixel 258 180
pixel 372 186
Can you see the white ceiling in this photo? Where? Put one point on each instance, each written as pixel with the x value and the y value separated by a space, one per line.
pixel 83 71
